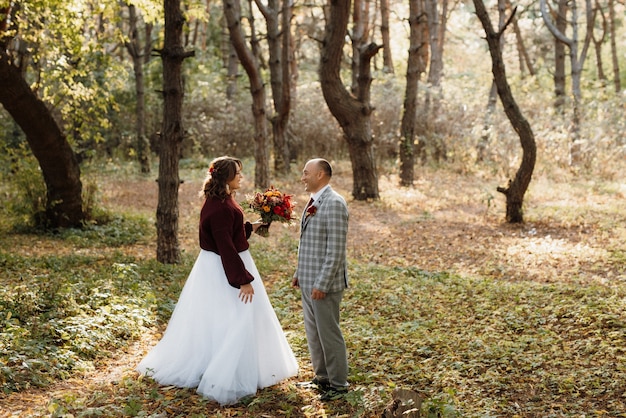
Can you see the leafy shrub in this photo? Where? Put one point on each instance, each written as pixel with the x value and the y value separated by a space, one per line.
pixel 60 314
pixel 26 194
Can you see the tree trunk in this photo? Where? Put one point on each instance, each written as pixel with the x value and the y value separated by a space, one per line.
pixel 232 12
pixel 435 71
pixel 147 47
pixel 415 67
pixel 279 43
pixel 287 88
pixel 525 62
pixel 172 134
pixel 135 51
pixel 492 100
pixel 359 36
pixel 614 59
pixel 576 63
pixel 597 43
pixel 352 113
pixel 517 188
pixel 58 163
pixel 483 143
pixel 255 44
pixel 437 21
pixel 559 55
pixel 230 61
pixel 384 33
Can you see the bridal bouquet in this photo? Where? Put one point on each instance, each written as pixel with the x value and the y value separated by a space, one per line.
pixel 271 205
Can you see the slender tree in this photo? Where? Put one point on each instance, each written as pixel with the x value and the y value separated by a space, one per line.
pixel 522 51
pixel 437 26
pixel 616 73
pixel 577 62
pixel 517 187
pixel 359 37
pixel 279 42
pixel 172 133
pixel 415 67
pixel 560 20
pixel 492 99
pixel 599 41
pixel 133 45
pixel 230 61
pixel 352 113
pixel 232 13
pixel 384 33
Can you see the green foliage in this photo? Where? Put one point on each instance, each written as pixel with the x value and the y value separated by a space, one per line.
pixel 26 197
pixel 60 314
pixel 72 69
pixel 25 192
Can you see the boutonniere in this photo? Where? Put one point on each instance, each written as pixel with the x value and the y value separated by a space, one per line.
pixel 311 211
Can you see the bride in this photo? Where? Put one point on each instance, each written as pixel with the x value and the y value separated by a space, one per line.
pixel 223 337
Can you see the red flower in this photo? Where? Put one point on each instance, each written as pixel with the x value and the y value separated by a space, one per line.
pixel 311 211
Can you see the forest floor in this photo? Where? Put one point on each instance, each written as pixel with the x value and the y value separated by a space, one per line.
pixel 575 233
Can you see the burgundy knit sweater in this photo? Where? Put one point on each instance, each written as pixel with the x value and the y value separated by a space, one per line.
pixel 223 232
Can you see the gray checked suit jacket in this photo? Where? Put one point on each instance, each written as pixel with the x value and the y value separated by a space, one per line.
pixel 322 250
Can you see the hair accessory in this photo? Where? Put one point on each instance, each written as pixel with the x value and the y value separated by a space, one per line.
pixel 211 170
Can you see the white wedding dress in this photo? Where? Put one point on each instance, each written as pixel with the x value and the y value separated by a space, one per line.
pixel 215 342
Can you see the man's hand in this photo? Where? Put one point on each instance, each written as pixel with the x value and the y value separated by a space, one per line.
pixel 256 225
pixel 317 294
pixel 295 283
pixel 245 293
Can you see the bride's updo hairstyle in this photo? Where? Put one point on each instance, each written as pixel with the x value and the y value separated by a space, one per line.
pixel 221 171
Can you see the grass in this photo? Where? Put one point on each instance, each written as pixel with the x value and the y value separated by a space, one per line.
pixel 481 318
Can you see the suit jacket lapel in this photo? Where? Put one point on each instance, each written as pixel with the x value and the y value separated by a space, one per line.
pixel 319 202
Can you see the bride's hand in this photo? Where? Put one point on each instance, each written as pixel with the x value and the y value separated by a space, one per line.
pixel 246 292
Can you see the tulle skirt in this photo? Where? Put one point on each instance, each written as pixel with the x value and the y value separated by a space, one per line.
pixel 215 342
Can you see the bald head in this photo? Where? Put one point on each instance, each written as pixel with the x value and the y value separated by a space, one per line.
pixel 324 166
pixel 316 174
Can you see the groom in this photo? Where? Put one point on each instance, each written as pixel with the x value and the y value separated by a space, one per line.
pixel 322 278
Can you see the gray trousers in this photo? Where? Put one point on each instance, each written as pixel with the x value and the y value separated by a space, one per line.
pixel 326 344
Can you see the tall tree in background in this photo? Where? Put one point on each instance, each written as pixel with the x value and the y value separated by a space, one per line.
pixel 359 38
pixel 352 113
pixel 516 189
pixel 560 20
pixel 437 24
pixel 522 51
pixel 416 65
pixel 614 59
pixel 577 62
pixel 599 41
pixel 384 33
pixel 279 43
pixel 492 99
pixel 136 52
pixel 58 163
pixel 232 13
pixel 172 134
pixel 231 62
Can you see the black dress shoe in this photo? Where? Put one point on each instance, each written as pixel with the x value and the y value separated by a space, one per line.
pixel 322 384
pixel 318 384
pixel 332 394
